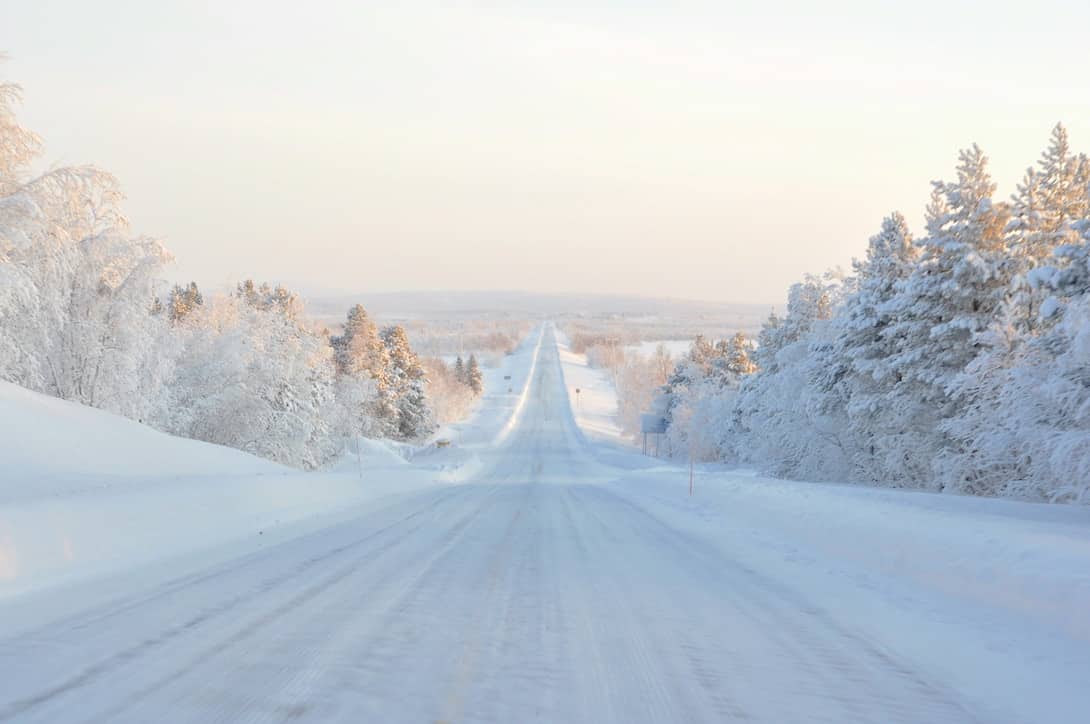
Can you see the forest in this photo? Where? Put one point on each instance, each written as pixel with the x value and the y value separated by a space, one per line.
pixel 85 316
pixel 958 360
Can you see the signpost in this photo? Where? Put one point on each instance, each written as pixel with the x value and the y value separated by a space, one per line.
pixel 652 424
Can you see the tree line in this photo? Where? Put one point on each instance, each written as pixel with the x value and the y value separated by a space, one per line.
pixel 82 318
pixel 958 361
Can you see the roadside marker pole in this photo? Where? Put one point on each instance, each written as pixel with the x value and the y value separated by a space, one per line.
pixel 691 471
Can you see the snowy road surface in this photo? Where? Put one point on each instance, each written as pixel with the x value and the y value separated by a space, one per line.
pixel 533 593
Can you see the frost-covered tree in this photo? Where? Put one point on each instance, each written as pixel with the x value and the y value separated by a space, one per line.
pixel 474 379
pixel 958 362
pixel 863 345
pixel 1024 429
pixel 449 398
pixel 460 371
pixel 75 284
pixel 18 146
pixel 182 301
pixel 782 419
pixel 1051 199
pixel 942 312
pixel 268 298
pixel 735 359
pixel 699 396
pixel 407 384
pixel 255 378
pixel 359 349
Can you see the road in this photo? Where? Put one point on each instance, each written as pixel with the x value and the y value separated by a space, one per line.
pixel 534 593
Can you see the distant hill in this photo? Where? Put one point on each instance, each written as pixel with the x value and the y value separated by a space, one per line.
pixel 447 305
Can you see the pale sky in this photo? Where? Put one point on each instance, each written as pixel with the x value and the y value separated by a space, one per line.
pixel 709 150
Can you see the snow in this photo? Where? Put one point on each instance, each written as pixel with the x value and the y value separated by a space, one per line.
pixel 52 447
pixel 595 406
pixel 85 493
pixel 565 579
pixel 981 590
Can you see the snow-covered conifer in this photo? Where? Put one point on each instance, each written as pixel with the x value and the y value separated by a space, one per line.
pixel 473 376
pixel 407 385
pixel 460 371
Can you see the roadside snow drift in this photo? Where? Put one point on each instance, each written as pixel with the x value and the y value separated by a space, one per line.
pixel 84 493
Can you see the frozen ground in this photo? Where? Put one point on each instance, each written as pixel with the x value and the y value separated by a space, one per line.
pixel 568 579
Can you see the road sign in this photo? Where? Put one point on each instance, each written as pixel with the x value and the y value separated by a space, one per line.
pixel 652 423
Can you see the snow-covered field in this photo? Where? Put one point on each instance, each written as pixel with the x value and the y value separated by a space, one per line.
pixel 595 403
pixel 565 578
pixel 676 347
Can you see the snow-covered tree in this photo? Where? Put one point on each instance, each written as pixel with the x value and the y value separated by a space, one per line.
pixel 407 384
pixel 1051 199
pixel 473 376
pixel 360 350
pixel 183 301
pixel 449 397
pixel 863 346
pixel 75 285
pixel 699 396
pixel 941 314
pixel 18 146
pixel 782 417
pixel 255 378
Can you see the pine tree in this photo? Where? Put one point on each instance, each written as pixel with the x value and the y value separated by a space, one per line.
pixel 183 301
pixel 407 386
pixel 474 379
pixel 359 350
pixel 268 298
pixel 739 355
pixel 460 371
pixel 864 347
pixel 942 312
pixel 1051 199
pixel 362 361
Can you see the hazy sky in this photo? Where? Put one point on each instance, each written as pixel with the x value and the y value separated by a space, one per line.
pixel 709 150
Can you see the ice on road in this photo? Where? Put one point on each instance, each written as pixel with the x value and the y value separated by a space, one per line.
pixel 534 593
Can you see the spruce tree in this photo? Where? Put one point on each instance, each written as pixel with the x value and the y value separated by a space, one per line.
pixel 864 345
pixel 184 301
pixel 473 375
pixel 942 312
pixel 359 350
pixel 1050 201
pixel 407 381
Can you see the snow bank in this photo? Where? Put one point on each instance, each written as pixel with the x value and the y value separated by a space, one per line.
pixel 85 494
pixel 595 405
pixel 53 447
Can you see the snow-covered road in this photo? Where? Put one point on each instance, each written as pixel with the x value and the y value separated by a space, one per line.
pixel 533 593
